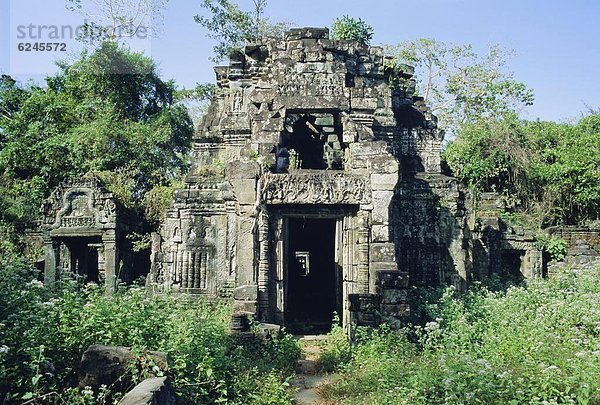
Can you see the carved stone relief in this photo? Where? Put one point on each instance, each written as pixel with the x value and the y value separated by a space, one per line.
pixel 316 188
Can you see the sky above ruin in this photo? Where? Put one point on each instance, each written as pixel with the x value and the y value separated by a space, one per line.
pixel 556 43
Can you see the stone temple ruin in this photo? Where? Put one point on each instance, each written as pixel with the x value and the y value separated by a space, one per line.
pixel 316 188
pixel 84 231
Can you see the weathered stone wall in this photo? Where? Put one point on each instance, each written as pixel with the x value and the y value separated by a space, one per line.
pixel 571 234
pixel 310 127
pixel 83 231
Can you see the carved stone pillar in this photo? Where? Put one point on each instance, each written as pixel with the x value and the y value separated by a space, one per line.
pixel 50 259
pixel 364 236
pixel 111 260
pixel 263 266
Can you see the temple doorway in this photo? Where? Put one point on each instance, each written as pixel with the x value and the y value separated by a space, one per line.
pixel 83 257
pixel 313 279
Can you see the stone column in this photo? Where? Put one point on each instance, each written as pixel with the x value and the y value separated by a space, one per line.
pixel 363 233
pixel 263 266
pixel 111 260
pixel 535 260
pixel 50 260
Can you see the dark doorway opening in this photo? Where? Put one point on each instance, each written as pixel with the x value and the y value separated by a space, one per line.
pixel 511 263
pixel 313 285
pixel 83 252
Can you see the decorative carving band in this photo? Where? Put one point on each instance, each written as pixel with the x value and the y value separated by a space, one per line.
pixel 78 222
pixel 323 187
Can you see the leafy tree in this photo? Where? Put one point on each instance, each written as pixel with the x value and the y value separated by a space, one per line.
pixel 566 161
pixel 352 29
pixel 491 155
pixel 550 170
pixel 116 19
pixel 107 113
pixel 460 85
pixel 231 26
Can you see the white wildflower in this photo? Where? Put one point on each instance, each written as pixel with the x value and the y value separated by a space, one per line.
pixel 35 284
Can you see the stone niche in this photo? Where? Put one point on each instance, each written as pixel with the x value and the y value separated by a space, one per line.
pixel 315 188
pixel 83 231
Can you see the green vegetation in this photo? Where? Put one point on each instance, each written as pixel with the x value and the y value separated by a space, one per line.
pixel 44 332
pixel 231 26
pixel 460 85
pixel 109 114
pixel 536 343
pixel 548 171
pixel 551 171
pixel 352 29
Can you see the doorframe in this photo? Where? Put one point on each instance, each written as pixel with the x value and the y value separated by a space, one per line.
pixel 345 217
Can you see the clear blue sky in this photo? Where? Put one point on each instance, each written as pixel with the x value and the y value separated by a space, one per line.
pixel 556 43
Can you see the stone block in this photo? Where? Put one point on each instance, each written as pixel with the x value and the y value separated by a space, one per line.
pixel 238 169
pixel 385 165
pixel 267 137
pixel 240 321
pixel 392 279
pixel 369 148
pixel 364 103
pixel 245 306
pixel 262 95
pixel 382 252
pixel 382 181
pixel 393 296
pixel 245 293
pixel 306 33
pixel 245 191
pixel 151 391
pixel 325 120
pixel 380 233
pixel 381 206
pixel 363 302
pixel 110 365
pixel 397 310
pixel 244 253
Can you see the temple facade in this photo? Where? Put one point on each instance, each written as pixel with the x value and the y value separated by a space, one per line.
pixel 316 188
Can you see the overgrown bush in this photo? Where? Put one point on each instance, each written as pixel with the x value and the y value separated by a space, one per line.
pixel 348 28
pixel 44 331
pixel 336 349
pixel 536 343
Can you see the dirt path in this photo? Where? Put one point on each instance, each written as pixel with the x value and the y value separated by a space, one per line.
pixel 309 379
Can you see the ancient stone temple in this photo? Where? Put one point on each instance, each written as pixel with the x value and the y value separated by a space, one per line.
pixel 316 188
pixel 83 232
pixel 304 169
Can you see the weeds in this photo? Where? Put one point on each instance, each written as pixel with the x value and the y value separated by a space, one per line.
pixel 535 343
pixel 43 333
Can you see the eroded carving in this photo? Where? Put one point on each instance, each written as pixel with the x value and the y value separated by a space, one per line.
pixel 316 188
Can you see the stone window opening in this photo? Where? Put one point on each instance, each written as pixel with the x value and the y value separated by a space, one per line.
pixel 310 141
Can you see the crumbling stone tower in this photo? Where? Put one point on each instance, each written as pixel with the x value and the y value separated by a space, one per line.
pixel 316 187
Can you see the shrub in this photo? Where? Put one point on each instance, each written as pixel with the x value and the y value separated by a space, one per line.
pixel 536 343
pixel 555 247
pixel 351 29
pixel 336 350
pixel 43 333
